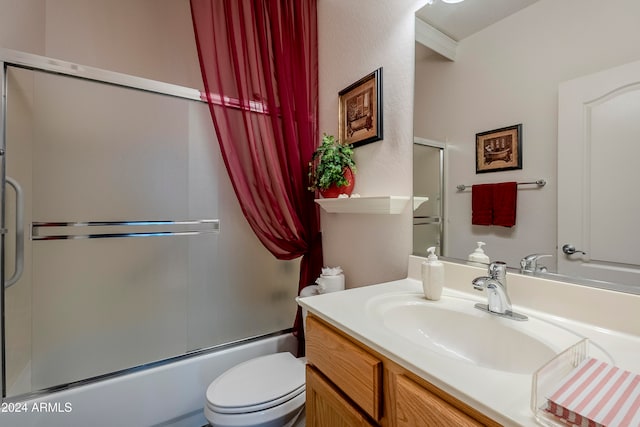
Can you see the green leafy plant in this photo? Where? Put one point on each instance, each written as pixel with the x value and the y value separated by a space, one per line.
pixel 328 163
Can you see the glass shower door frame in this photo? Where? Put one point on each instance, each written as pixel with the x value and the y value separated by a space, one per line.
pixel 74 230
pixel 3 101
pixel 103 230
pixel 442 146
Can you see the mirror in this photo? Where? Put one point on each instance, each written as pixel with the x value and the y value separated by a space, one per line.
pixel 509 73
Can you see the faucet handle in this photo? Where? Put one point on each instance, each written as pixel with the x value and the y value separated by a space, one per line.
pixel 530 262
pixel 498 270
pixel 479 283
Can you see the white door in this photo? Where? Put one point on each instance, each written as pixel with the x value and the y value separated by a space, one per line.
pixel 599 176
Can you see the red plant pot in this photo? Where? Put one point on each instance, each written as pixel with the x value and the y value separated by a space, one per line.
pixel 334 191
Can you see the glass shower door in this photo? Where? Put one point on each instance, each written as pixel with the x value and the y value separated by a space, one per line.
pixel 124 193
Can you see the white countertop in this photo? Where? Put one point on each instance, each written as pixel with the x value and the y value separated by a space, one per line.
pixel 503 396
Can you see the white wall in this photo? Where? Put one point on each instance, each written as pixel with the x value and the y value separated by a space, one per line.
pixel 355 38
pixel 22 25
pixel 145 38
pixel 509 74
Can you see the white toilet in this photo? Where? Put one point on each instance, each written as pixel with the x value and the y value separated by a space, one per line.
pixel 266 391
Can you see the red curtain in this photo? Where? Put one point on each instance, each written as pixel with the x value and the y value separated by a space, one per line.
pixel 259 63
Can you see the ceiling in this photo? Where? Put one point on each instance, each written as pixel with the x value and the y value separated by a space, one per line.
pixel 461 20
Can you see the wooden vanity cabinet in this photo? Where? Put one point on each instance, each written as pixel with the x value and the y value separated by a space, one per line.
pixel 417 406
pixel 349 384
pixel 353 370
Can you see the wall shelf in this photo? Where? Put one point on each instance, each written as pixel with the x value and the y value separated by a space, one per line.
pixel 365 205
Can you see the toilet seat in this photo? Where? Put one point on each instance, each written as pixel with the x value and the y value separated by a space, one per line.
pixel 258 384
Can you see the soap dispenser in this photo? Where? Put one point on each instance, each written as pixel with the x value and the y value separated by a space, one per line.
pixel 432 276
pixel 479 256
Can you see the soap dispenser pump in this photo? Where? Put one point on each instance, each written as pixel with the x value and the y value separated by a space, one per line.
pixel 478 255
pixel 432 276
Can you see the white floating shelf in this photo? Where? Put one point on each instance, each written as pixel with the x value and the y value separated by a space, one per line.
pixel 417 201
pixel 365 205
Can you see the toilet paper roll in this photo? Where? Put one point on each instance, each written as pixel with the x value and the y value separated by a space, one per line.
pixel 328 284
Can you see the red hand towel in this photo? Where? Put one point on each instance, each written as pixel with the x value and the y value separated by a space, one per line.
pixel 505 195
pixel 482 204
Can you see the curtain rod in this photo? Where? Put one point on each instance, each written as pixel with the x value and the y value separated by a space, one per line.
pixel 539 183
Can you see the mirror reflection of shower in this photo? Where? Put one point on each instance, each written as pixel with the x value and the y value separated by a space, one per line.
pixel 428 208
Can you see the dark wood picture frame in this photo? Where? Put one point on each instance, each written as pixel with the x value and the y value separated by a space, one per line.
pixel 360 111
pixel 499 149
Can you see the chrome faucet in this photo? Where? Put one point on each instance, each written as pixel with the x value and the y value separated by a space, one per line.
pixel 529 264
pixel 496 286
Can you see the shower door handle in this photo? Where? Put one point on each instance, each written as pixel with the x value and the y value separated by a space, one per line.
pixel 19 255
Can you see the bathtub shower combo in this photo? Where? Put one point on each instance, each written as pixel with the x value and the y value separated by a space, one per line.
pixel 127 263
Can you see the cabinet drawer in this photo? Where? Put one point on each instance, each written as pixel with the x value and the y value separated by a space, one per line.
pixel 357 373
pixel 326 407
pixel 416 406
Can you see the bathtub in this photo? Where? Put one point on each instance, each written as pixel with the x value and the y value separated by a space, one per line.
pixel 166 395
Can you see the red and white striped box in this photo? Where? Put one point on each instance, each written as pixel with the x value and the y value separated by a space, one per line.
pixel 596 394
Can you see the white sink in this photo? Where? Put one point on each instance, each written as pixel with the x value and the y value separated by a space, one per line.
pixel 452 327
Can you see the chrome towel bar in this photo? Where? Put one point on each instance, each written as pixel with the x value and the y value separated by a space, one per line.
pixel 539 183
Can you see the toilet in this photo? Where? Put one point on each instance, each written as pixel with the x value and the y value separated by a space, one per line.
pixel 266 391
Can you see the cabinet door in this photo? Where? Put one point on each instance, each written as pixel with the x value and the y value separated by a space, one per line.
pixel 326 407
pixel 346 364
pixel 416 406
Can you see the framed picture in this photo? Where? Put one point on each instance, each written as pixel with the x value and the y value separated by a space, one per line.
pixel 499 149
pixel 360 111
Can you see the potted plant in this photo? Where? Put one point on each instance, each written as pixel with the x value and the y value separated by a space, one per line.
pixel 332 169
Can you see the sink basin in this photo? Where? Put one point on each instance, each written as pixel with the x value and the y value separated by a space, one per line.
pixel 452 327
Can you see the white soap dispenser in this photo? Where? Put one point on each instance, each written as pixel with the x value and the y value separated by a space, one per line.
pixel 432 276
pixel 479 256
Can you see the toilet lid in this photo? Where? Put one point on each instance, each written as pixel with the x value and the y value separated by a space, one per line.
pixel 258 384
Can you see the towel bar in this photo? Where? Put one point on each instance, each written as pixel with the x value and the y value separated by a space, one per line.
pixel 539 183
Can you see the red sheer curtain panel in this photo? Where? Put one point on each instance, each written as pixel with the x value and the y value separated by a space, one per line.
pixel 259 63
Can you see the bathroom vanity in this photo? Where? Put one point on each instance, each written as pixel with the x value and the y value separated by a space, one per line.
pixel 352 385
pixel 383 355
